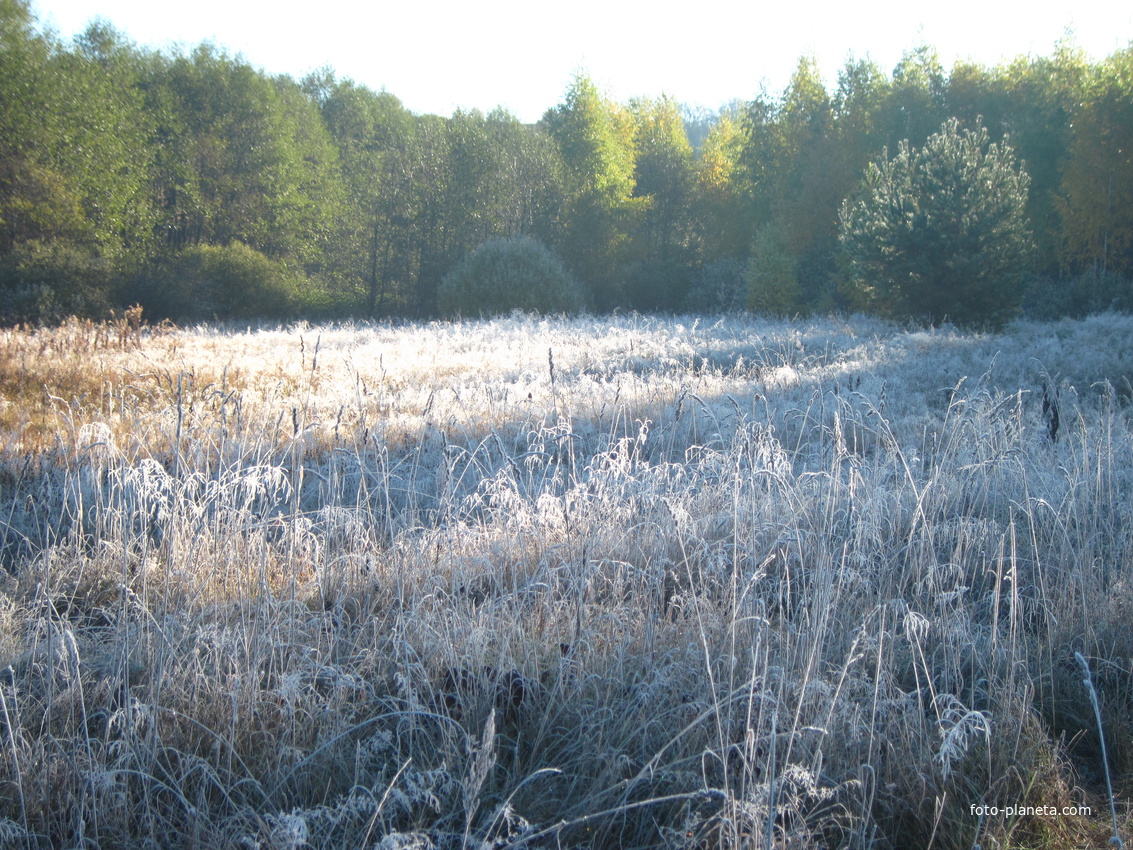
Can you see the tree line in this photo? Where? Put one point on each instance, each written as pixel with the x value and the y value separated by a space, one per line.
pixel 199 186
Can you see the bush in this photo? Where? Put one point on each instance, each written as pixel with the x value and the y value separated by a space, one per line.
pixel 45 282
pixel 1090 292
pixel 513 273
pixel 656 286
pixel 211 281
pixel 773 275
pixel 719 287
pixel 940 232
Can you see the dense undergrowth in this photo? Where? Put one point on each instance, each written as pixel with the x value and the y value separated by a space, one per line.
pixel 558 583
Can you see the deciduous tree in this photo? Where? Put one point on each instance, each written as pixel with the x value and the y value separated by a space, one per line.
pixel 1097 185
pixel 595 139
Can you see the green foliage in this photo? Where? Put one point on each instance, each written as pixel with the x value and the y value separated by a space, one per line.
pixel 656 285
pixel 36 203
pixel 115 157
pixel 423 190
pixel 1091 291
pixel 515 273
pixel 36 200
pixel 1039 99
pixel 44 282
pixel 372 132
pixel 718 287
pixel 211 281
pixel 720 191
pixel 1097 185
pixel 805 108
pixel 773 275
pixel 663 173
pixel 74 152
pixel 918 97
pixel 595 136
pixel 940 232
pixel 107 156
pixel 798 175
pixel 243 157
pixel 595 140
pixel 476 177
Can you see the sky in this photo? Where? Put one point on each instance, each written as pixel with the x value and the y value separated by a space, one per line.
pixel 440 55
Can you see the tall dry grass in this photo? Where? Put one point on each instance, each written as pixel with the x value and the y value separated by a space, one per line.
pixel 543 583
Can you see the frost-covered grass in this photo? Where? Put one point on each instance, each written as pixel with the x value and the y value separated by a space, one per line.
pixel 547 583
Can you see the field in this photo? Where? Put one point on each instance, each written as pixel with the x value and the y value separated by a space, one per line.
pixel 632 582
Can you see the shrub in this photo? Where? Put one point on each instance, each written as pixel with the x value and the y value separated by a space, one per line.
pixel 212 281
pixel 1090 292
pixel 773 275
pixel 719 287
pixel 513 273
pixel 940 232
pixel 656 286
pixel 45 282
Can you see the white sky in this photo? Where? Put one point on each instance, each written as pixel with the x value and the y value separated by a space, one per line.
pixel 437 55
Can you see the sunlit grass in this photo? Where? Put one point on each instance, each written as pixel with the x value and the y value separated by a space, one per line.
pixel 578 582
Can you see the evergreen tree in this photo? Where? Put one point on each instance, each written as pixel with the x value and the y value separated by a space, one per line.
pixel 117 164
pixel 940 232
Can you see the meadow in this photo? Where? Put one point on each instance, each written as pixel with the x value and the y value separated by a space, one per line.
pixel 542 583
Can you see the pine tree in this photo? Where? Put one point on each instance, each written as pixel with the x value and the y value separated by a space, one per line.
pixel 940 232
